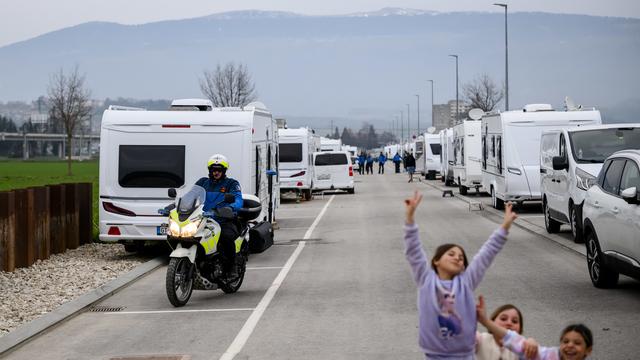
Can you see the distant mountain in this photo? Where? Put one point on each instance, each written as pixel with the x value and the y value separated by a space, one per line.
pixel 359 67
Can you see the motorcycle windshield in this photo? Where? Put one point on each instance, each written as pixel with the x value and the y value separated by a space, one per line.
pixel 191 200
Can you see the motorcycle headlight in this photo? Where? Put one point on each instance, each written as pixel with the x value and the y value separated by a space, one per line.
pixel 190 229
pixel 174 228
pixel 584 180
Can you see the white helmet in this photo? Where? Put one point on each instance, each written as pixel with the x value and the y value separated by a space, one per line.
pixel 219 160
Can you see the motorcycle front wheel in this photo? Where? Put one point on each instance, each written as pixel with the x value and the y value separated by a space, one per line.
pixel 179 283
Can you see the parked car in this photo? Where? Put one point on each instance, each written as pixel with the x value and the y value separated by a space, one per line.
pixel 611 218
pixel 570 160
pixel 334 171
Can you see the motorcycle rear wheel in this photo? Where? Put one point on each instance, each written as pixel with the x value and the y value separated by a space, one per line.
pixel 179 282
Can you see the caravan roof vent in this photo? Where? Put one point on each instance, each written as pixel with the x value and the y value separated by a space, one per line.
pixel 537 107
pixel 191 105
pixel 256 105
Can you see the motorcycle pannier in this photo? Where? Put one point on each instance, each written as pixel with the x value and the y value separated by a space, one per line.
pixel 260 237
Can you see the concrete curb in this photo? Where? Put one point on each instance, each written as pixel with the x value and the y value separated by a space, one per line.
pixel 67 310
pixel 521 223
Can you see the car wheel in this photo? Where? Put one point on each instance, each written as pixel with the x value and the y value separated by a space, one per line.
pixel 601 275
pixel 576 231
pixel 498 204
pixel 550 224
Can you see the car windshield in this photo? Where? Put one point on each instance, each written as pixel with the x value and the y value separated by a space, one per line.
pixel 191 200
pixel 331 159
pixel 594 146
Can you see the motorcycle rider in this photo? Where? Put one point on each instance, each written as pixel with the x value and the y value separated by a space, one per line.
pixel 216 186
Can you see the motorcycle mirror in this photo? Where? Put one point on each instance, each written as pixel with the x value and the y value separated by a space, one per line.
pixel 172 193
pixel 229 198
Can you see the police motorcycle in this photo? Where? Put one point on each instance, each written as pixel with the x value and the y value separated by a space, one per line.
pixel 195 263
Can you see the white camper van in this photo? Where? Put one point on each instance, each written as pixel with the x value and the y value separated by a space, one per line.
pixel 334 171
pixel 467 156
pixel 511 149
pixel 570 161
pixel 327 144
pixel 144 153
pixel 432 151
pixel 418 154
pixel 446 156
pixel 296 148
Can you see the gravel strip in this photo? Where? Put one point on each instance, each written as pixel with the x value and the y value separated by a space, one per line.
pixel 27 293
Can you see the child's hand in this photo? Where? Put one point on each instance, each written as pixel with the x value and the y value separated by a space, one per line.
pixel 411 204
pixel 509 216
pixel 481 311
pixel 530 348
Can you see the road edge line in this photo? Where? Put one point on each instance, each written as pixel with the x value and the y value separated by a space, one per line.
pixel 247 329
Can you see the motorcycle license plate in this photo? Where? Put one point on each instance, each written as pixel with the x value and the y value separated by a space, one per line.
pixel 162 229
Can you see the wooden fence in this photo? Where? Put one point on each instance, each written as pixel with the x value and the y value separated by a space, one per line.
pixel 40 221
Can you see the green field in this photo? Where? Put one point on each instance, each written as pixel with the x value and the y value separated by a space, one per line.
pixel 24 174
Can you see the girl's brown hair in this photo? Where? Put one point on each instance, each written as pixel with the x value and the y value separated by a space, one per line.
pixel 582 330
pixel 505 307
pixel 442 249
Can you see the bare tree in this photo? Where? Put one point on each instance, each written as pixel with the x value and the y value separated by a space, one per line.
pixel 69 104
pixel 230 85
pixel 483 93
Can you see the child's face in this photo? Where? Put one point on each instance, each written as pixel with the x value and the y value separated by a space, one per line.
pixel 573 347
pixel 451 262
pixel 508 319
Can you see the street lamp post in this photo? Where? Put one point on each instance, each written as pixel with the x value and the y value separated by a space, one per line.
pixel 506 58
pixel 401 126
pixel 457 105
pixel 408 123
pixel 418 97
pixel 431 101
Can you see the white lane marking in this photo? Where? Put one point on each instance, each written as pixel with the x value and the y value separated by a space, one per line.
pixel 295 217
pixel 248 327
pixel 264 268
pixel 176 311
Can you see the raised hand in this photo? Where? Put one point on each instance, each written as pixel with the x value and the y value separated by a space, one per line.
pixel 509 216
pixel 411 204
pixel 481 311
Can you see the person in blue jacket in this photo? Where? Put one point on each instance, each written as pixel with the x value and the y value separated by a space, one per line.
pixel 361 163
pixel 369 164
pixel 397 159
pixel 381 160
pixel 216 186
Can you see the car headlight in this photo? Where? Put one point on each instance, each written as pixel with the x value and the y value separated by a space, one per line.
pixel 174 228
pixel 584 180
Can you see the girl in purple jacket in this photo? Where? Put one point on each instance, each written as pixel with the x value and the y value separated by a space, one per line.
pixel 446 304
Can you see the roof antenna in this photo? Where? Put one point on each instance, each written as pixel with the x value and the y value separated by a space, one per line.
pixel 569 105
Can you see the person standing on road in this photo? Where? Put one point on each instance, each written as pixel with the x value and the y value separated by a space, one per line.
pixel 576 340
pixel 381 160
pixel 397 159
pixel 361 162
pixel 446 303
pixel 369 164
pixel 410 164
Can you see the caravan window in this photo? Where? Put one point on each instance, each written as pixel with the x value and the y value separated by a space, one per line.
pixel 331 159
pixel 290 152
pixel 484 151
pixel 258 172
pixel 151 166
pixel 435 149
pixel 493 145
pixel 499 149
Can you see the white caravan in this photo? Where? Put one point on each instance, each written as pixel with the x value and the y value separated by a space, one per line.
pixel 511 149
pixel 334 171
pixel 432 151
pixel 418 154
pixel 352 150
pixel 327 144
pixel 570 161
pixel 144 153
pixel 446 156
pixel 296 148
pixel 467 156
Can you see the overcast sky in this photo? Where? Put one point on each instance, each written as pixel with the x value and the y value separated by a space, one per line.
pixel 24 19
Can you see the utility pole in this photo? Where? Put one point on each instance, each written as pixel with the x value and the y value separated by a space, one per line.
pixel 419 132
pixel 408 123
pixel 431 102
pixel 457 104
pixel 506 58
pixel 401 126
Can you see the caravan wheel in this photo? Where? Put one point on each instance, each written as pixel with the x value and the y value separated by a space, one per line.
pixel 498 204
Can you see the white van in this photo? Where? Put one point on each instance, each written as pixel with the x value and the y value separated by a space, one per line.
pixel 432 151
pixel 296 148
pixel 446 156
pixel 467 156
pixel 570 160
pixel 144 153
pixel 334 171
pixel 511 149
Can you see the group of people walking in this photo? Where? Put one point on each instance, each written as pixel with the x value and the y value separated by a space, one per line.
pixel 448 311
pixel 365 163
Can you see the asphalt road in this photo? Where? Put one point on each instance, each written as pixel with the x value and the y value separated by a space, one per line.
pixel 337 286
